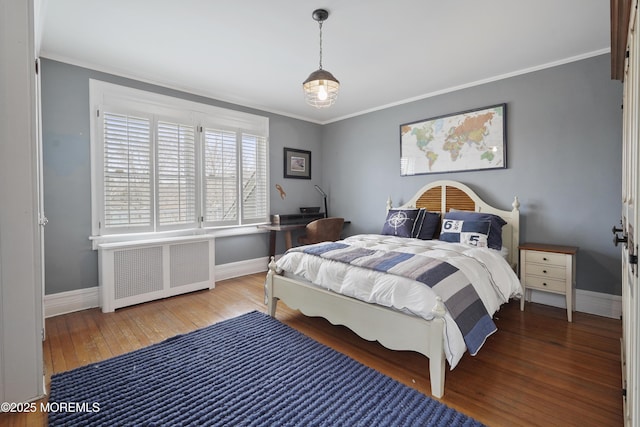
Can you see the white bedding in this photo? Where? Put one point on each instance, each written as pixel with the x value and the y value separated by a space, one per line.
pixel 491 275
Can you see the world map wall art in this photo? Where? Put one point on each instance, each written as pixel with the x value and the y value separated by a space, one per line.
pixel 465 141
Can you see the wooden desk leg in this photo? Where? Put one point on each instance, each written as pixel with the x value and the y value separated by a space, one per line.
pixel 287 239
pixel 272 243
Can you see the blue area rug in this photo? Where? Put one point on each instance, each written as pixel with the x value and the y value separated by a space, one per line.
pixel 251 370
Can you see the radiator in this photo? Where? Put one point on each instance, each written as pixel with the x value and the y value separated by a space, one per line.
pixel 136 272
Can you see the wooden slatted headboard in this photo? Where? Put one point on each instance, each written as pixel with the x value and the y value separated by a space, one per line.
pixel 442 196
pixel 455 198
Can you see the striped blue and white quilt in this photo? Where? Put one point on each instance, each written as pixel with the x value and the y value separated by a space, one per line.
pixel 459 296
pixel 407 274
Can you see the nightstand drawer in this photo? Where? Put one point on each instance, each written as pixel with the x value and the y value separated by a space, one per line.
pixel 545 258
pixel 545 284
pixel 550 271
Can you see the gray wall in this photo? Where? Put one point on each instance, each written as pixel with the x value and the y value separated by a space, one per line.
pixel 70 262
pixel 563 153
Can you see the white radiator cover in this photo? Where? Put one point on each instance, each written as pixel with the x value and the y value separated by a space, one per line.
pixel 141 271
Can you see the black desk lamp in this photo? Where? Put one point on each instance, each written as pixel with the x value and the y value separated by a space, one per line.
pixel 324 195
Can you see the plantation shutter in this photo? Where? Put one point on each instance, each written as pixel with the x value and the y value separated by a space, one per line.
pixel 176 174
pixel 127 172
pixel 254 175
pixel 162 164
pixel 221 177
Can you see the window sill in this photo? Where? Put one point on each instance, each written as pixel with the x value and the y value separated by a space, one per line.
pixel 168 236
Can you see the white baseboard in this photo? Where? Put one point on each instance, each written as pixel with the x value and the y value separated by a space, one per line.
pixel 597 303
pixel 586 301
pixel 67 302
pixel 241 268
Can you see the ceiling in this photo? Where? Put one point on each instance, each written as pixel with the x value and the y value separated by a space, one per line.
pixel 257 53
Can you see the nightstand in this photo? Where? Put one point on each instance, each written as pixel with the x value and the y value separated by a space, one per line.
pixel 548 268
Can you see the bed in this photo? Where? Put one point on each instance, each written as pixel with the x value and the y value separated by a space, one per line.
pixel 308 279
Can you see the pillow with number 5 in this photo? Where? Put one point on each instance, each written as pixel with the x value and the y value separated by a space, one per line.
pixel 472 233
pixel 495 234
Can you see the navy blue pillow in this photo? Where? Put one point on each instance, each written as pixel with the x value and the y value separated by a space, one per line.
pixel 400 222
pixel 426 225
pixel 495 235
pixel 473 233
pixel 418 226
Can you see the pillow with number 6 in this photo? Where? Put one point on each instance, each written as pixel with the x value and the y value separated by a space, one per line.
pixel 495 233
pixel 472 233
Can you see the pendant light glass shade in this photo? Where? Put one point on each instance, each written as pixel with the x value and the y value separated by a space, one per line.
pixel 321 88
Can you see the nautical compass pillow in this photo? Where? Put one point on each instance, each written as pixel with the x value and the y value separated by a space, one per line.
pixel 473 233
pixel 400 222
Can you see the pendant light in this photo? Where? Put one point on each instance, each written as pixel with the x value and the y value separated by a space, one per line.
pixel 321 88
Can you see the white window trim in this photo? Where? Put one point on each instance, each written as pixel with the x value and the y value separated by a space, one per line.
pixel 105 94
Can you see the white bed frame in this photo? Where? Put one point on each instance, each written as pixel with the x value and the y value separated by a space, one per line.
pixel 393 329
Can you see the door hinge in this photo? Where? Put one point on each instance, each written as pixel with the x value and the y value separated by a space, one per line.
pixel 633 259
pixel 43 334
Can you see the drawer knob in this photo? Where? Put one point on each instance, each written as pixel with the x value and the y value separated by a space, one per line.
pixel 544 284
pixel 545 259
pixel 544 271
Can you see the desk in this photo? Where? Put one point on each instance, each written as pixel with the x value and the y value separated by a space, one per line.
pixel 287 228
pixel 273 231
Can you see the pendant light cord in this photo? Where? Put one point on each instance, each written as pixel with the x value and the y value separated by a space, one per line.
pixel 320 24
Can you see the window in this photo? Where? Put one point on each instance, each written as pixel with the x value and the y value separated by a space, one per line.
pixel 224 177
pixel 221 176
pixel 127 171
pixel 163 164
pixel 176 174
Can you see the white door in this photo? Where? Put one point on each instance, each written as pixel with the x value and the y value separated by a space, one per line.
pixel 21 362
pixel 627 232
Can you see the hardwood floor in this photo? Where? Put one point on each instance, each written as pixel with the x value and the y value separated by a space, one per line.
pixel 537 370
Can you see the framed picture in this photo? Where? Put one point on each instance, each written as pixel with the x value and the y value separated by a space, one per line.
pixel 297 163
pixel 465 141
